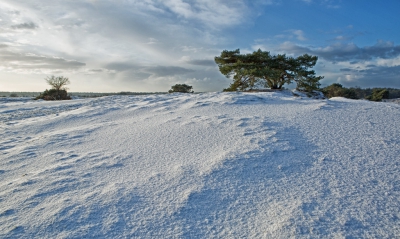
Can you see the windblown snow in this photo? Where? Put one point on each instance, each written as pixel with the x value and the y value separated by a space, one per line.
pixel 210 165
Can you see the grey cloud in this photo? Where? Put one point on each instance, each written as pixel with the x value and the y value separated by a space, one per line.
pixel 348 52
pixel 294 49
pixel 95 70
pixel 378 76
pixel 14 12
pixel 346 69
pixel 120 66
pixel 146 71
pixel 168 70
pixel 383 71
pixel 71 22
pixel 29 25
pixel 201 62
pixel 30 61
pixel 348 35
pixel 138 75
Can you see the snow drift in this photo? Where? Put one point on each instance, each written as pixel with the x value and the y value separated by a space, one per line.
pixel 212 165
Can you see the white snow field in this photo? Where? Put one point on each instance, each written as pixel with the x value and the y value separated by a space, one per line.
pixel 210 165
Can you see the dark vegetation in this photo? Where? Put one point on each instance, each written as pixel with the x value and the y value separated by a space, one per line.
pixel 337 90
pixel 58 90
pixel 260 69
pixel 18 94
pixel 54 94
pixel 373 94
pixel 181 88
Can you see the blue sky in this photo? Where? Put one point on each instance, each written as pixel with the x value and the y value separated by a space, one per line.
pixel 149 45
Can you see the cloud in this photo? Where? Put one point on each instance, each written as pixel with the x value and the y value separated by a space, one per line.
pixel 292 34
pixel 340 52
pixel 327 3
pixel 378 76
pixel 213 13
pixel 97 71
pixel 377 65
pixel 29 25
pixel 120 66
pixel 346 69
pixel 343 38
pixel 162 71
pixel 155 71
pixel 299 35
pixel 152 41
pixel 202 62
pixel 12 61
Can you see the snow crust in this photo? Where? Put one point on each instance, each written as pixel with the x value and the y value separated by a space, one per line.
pixel 211 165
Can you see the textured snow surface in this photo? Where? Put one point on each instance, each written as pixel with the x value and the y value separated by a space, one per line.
pixel 212 165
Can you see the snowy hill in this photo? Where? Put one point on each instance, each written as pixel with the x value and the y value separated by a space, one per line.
pixel 212 165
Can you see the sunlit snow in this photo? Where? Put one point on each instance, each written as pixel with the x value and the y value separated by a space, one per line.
pixel 210 165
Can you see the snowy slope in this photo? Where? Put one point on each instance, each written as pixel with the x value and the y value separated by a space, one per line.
pixel 212 165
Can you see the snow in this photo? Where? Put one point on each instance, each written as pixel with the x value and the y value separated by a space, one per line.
pixel 210 165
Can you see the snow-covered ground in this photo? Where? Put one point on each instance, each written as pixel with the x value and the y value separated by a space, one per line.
pixel 211 165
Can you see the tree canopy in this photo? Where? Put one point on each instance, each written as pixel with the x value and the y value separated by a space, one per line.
pixel 260 68
pixel 182 88
pixel 58 90
pixel 58 83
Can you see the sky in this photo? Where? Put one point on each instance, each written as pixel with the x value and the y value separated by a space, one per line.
pixel 150 45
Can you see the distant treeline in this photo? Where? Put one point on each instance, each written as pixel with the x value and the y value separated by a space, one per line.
pixel 364 93
pixel 374 94
pixel 78 94
pixel 330 91
pixel 18 94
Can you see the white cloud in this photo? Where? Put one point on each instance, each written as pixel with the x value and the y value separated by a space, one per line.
pixel 335 4
pixel 338 52
pixel 152 41
pixel 292 34
pixel 299 35
pixel 213 13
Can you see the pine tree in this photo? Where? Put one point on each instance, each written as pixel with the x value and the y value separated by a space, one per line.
pixel 261 68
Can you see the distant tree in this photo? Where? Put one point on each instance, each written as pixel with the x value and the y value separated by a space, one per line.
pixel 337 90
pixel 57 83
pixel 260 68
pixel 378 94
pixel 394 93
pixel 58 91
pixel 375 94
pixel 360 93
pixel 182 88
